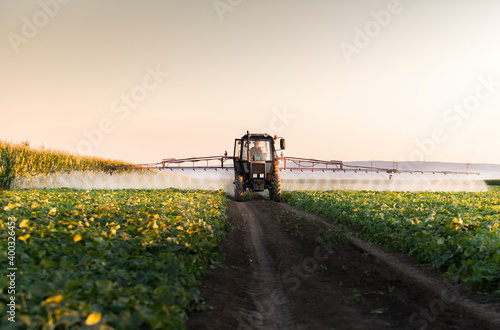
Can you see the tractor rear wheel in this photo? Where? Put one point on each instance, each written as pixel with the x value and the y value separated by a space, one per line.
pixel 275 191
pixel 238 187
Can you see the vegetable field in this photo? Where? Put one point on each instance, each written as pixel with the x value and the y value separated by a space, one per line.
pixel 456 232
pixel 109 258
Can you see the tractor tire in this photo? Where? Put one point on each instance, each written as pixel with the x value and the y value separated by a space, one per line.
pixel 275 191
pixel 238 188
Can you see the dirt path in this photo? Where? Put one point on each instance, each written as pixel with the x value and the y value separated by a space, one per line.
pixel 277 275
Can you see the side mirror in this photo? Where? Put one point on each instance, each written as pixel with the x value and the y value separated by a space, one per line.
pixel 282 144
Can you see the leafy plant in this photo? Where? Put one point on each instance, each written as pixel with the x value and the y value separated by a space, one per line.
pixel 125 259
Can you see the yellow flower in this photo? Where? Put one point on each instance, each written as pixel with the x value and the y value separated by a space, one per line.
pixel 55 299
pixel 93 318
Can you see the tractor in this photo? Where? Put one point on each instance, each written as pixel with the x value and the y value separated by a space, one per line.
pixel 256 165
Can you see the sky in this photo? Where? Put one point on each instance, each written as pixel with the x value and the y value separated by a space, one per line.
pixel 349 80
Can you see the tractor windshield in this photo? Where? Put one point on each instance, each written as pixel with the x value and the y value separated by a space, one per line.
pixel 259 150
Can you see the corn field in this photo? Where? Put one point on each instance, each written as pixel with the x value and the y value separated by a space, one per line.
pixel 19 159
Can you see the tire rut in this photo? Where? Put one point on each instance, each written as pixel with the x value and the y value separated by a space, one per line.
pixel 273 310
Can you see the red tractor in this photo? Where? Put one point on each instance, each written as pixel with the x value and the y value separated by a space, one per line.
pixel 256 165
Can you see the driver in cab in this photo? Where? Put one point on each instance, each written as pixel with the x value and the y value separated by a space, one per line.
pixel 256 152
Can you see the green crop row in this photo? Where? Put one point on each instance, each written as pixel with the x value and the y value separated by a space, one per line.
pixel 108 259
pixel 456 232
pixel 493 182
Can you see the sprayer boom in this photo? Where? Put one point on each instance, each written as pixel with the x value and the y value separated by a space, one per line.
pixel 286 163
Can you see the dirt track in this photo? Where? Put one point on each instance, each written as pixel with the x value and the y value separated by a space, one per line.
pixel 278 276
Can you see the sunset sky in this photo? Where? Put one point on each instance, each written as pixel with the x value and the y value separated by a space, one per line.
pixel 349 80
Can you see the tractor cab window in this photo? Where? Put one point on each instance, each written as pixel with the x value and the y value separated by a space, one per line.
pixel 260 150
pixel 244 155
pixel 237 149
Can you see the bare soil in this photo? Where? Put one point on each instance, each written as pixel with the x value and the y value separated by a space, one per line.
pixel 277 275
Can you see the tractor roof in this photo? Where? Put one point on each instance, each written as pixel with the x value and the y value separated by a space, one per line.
pixel 258 136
